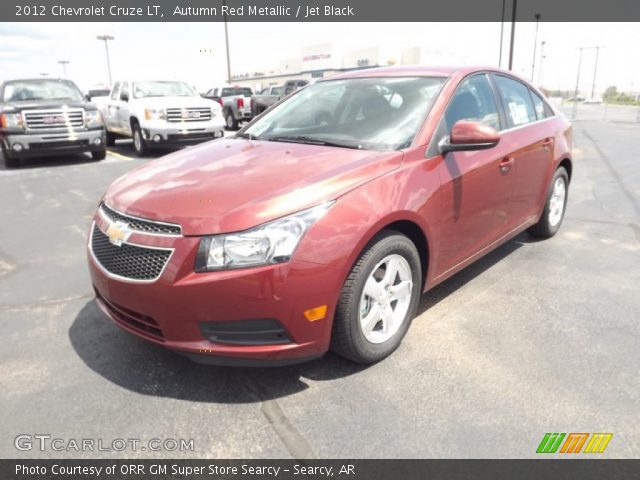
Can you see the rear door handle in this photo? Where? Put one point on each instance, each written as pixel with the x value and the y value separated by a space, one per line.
pixel 505 164
pixel 547 143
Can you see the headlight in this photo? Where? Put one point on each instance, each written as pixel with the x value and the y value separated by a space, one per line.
pixel 153 114
pixel 93 118
pixel 272 242
pixel 11 120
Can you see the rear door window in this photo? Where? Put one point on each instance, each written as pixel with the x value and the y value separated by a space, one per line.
pixel 518 106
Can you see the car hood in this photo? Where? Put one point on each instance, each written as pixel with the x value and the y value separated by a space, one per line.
pixel 233 184
pixel 174 102
pixel 45 104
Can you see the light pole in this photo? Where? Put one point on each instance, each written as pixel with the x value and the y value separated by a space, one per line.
pixel 513 33
pixel 501 33
pixel 64 64
pixel 226 42
pixel 575 94
pixel 43 74
pixel 595 69
pixel 535 44
pixel 542 57
pixel 106 39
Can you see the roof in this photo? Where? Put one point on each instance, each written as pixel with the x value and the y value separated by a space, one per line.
pixel 416 70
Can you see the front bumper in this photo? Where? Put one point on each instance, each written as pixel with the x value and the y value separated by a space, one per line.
pixel 43 143
pixel 162 133
pixel 176 309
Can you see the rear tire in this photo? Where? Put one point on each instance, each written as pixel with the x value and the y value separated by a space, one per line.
pixel 376 305
pixel 555 206
pixel 231 122
pixel 139 143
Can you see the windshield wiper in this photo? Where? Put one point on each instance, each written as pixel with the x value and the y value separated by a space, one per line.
pixel 245 135
pixel 311 141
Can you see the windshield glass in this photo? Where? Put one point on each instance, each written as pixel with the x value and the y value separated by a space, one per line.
pixel 232 91
pixel 25 90
pixel 162 89
pixel 370 113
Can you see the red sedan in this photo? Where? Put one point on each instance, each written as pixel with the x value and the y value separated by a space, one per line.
pixel 320 224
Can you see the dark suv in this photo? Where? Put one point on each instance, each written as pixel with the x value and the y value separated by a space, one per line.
pixel 42 117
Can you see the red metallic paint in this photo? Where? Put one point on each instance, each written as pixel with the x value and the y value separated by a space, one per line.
pixel 464 204
pixel 469 132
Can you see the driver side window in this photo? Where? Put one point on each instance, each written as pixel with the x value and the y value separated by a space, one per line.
pixel 473 100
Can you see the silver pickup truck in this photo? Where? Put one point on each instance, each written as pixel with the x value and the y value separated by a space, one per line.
pixel 47 117
pixel 160 113
pixel 235 103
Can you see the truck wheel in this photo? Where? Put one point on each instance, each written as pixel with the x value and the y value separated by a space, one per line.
pixel 99 155
pixel 378 300
pixel 139 143
pixel 8 161
pixel 232 123
pixel 111 139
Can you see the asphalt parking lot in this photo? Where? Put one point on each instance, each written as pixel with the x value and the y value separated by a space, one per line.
pixel 539 336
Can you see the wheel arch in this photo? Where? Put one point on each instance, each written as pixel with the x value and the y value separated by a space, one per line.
pixel 568 166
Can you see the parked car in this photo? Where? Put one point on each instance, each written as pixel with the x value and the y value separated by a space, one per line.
pixel 98 94
pixel 45 117
pixel 160 113
pixel 294 237
pixel 235 103
pixel 272 95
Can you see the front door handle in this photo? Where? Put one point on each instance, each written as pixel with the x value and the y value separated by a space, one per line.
pixel 547 143
pixel 505 164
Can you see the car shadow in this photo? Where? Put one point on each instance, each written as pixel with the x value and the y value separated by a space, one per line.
pixel 148 369
pixel 49 161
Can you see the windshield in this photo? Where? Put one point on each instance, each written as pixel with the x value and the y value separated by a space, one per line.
pixel 232 91
pixel 370 113
pixel 162 89
pixel 99 93
pixel 25 90
pixel 276 90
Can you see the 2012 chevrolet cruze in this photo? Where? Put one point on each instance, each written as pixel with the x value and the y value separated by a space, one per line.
pixel 321 223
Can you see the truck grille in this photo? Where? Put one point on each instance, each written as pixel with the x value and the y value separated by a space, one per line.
pixel 188 114
pixel 58 118
pixel 142 225
pixel 128 261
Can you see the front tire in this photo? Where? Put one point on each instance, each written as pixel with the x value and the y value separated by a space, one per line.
pixel 99 155
pixel 139 143
pixel 9 161
pixel 111 139
pixel 554 207
pixel 378 300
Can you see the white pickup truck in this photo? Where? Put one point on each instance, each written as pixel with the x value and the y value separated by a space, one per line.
pixel 160 113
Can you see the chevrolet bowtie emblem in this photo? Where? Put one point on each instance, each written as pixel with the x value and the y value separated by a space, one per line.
pixel 118 232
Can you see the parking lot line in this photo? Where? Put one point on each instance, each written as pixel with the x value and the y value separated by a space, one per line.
pixel 119 155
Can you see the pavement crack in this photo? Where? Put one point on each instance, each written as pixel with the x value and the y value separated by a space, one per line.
pixel 295 443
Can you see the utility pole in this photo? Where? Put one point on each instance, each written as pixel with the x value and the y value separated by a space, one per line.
pixel 64 64
pixel 226 42
pixel 106 39
pixel 595 69
pixel 542 57
pixel 535 44
pixel 513 33
pixel 501 33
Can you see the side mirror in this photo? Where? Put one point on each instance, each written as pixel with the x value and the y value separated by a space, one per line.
pixel 124 96
pixel 468 135
pixel 87 97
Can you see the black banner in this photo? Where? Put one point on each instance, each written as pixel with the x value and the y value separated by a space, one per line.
pixel 318 469
pixel 316 10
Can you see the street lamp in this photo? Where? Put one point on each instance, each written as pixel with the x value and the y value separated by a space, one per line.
pixel 106 39
pixel 575 94
pixel 595 69
pixel 64 64
pixel 226 42
pixel 513 32
pixel 542 57
pixel 535 44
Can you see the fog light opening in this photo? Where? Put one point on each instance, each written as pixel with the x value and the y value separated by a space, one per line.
pixel 157 138
pixel 97 141
pixel 17 147
pixel 317 313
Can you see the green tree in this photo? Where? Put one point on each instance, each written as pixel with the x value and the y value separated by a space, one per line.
pixel 610 93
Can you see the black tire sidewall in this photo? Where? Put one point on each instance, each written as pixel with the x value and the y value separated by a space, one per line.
pixel 552 230
pixel 143 147
pixel 392 244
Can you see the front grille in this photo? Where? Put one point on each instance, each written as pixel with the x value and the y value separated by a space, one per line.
pixel 62 144
pixel 128 261
pixel 141 323
pixel 190 136
pixel 139 224
pixel 55 118
pixel 202 114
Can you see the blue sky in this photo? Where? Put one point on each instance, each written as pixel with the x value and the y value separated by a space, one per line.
pixel 195 51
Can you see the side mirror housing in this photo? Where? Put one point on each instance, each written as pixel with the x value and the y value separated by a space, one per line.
pixel 87 97
pixel 468 135
pixel 124 96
